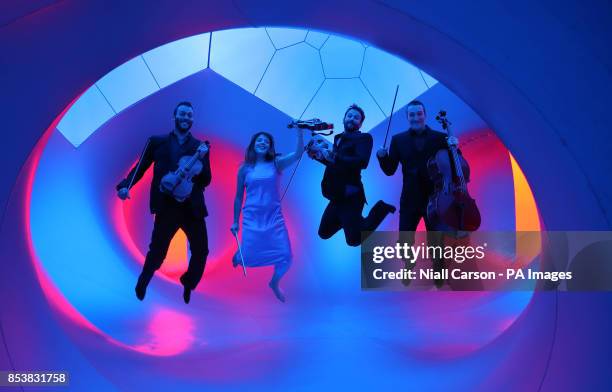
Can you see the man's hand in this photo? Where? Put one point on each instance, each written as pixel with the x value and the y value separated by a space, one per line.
pixel 203 150
pixel 123 193
pixel 452 141
pixel 235 228
pixel 328 155
pixel 382 152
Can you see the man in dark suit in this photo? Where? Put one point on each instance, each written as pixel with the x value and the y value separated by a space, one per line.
pixel 164 152
pixel 413 148
pixel 342 185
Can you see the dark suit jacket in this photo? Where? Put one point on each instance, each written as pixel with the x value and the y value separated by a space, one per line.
pixel 159 153
pixel 417 186
pixel 352 154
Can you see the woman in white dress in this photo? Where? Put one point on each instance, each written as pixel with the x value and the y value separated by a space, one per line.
pixel 265 240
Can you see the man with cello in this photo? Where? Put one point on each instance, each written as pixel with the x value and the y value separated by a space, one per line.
pixel 180 174
pixel 413 149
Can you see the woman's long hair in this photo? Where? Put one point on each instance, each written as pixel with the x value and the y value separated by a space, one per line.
pixel 250 156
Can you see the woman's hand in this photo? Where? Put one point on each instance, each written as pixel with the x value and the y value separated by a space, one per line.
pixel 235 228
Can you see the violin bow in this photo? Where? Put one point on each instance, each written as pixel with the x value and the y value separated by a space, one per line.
pixel 241 258
pixel 294 169
pixel 390 116
pixel 312 133
pixel 139 162
pixel 292 174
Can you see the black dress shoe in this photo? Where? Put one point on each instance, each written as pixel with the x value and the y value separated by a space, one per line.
pixel 140 292
pixel 141 288
pixel 438 265
pixel 409 266
pixel 388 208
pixel 186 294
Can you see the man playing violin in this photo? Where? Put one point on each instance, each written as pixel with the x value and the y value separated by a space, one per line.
pixel 164 152
pixel 413 149
pixel 342 185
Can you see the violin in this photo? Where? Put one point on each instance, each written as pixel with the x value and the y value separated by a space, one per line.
pixel 317 147
pixel 315 125
pixel 178 183
pixel 450 205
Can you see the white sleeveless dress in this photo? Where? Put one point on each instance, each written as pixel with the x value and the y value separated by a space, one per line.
pixel 265 240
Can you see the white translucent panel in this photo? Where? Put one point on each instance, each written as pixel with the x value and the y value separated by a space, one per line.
pixel 292 79
pixel 281 37
pixel 316 39
pixel 429 80
pixel 296 77
pixel 128 83
pixel 382 72
pixel 86 115
pixel 241 55
pixel 341 57
pixel 336 95
pixel 179 59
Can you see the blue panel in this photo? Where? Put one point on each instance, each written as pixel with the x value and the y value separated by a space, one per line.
pixel 281 38
pixel 88 113
pixel 316 39
pixel 178 59
pixel 342 57
pixel 241 55
pixel 127 84
pixel 66 227
pixel 292 79
pixel 382 72
pixel 336 95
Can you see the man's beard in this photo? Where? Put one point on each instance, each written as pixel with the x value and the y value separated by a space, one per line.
pixel 178 126
pixel 351 126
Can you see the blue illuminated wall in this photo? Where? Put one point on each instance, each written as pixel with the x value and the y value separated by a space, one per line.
pixel 520 65
pixel 306 74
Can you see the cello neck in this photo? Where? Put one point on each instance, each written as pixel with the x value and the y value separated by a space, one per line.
pixel 441 117
pixel 458 169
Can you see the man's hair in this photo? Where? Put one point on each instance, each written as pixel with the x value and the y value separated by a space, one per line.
pixel 416 102
pixel 355 107
pixel 183 103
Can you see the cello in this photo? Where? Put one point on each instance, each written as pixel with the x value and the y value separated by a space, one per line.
pixel 451 206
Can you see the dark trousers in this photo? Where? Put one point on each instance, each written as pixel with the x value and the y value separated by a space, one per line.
pixel 346 214
pixel 165 227
pixel 409 220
